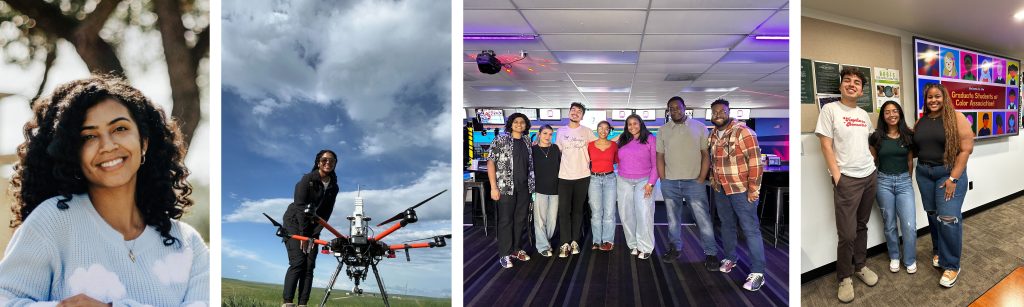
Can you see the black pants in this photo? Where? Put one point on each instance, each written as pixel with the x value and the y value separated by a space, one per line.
pixel 512 213
pixel 300 272
pixel 572 200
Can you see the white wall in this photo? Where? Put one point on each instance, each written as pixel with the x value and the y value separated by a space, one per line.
pixel 993 169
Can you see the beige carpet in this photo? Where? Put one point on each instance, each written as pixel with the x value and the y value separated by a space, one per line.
pixel 993 247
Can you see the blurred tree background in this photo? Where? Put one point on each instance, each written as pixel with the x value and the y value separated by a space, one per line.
pixel 129 38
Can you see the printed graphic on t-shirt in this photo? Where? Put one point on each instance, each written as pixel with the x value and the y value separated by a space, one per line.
pixel 854 122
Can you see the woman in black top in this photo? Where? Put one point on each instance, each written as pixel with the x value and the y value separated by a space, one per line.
pixel 890 145
pixel 944 141
pixel 546 158
pixel 314 194
pixel 510 173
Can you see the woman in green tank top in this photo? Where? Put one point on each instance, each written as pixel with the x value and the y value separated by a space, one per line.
pixel 890 145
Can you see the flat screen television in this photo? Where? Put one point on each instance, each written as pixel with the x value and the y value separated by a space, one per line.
pixel 984 87
pixel 491 116
pixel 621 114
pixel 550 114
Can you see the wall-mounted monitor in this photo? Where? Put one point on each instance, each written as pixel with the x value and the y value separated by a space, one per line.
pixel 490 116
pixel 983 86
pixel 621 114
pixel 551 114
pixel 531 114
pixel 647 114
pixel 739 113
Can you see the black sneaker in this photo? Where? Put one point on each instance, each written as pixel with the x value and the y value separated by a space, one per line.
pixel 670 256
pixel 711 263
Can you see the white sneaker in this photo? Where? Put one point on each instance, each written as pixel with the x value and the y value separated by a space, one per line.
pixel 912 268
pixel 894 265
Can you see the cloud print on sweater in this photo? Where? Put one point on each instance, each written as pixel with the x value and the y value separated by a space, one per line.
pixel 97 282
pixel 174 268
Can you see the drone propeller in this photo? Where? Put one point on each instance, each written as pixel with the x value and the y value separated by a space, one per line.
pixel 400 215
pixel 447 236
pixel 280 229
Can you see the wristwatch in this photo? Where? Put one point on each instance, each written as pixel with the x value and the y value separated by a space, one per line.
pixel 953 180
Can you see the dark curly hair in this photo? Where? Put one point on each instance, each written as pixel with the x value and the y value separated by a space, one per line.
pixel 49 163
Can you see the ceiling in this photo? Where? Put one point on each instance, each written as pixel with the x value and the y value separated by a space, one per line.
pixel 620 53
pixel 987 25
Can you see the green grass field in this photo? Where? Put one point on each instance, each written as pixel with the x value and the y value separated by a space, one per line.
pixel 239 293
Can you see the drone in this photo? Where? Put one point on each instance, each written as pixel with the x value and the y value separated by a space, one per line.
pixel 359 250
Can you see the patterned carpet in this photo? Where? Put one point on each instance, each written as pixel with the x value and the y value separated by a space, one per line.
pixel 993 247
pixel 615 278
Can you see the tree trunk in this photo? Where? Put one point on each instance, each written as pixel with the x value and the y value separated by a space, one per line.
pixel 183 74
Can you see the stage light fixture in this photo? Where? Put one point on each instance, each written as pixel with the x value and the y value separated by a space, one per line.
pixel 488 62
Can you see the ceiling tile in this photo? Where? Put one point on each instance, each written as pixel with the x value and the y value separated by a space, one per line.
pixel 687 57
pixel 715 4
pixel 586 21
pixel 495 21
pixel 706 21
pixel 690 42
pixel 556 42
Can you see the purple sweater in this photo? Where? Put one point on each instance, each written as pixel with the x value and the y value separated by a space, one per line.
pixel 637 160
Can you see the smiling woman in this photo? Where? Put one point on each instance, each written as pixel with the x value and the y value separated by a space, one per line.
pixel 99 188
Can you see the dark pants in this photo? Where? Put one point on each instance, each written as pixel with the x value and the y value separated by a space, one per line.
pixel 512 213
pixel 572 200
pixel 300 272
pixel 853 200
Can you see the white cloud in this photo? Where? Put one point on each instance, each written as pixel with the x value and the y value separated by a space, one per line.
pixel 378 203
pixel 172 268
pixel 229 249
pixel 97 282
pixel 368 57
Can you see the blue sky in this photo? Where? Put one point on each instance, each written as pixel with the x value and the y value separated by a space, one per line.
pixel 369 80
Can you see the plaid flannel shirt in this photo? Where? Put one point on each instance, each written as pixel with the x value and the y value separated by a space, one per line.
pixel 735 160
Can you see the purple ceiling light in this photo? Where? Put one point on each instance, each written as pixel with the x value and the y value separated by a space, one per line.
pixel 499 37
pixel 771 37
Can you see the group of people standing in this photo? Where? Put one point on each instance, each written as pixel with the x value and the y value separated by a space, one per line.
pixel 868 164
pixel 559 172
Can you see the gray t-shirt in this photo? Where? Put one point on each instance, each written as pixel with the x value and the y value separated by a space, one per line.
pixel 682 145
pixel 849 129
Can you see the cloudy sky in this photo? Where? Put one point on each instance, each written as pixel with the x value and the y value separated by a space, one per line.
pixel 370 80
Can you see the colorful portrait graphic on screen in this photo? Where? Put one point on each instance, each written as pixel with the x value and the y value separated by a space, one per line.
pixel 997 124
pixel 973 119
pixel 999 70
pixel 1012 72
pixel 1011 122
pixel 950 63
pixel 984 69
pixel 985 128
pixel 927 60
pixel 1012 99
pixel 968 71
pixel 921 83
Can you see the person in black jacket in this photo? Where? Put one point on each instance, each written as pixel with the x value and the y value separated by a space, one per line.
pixel 314 197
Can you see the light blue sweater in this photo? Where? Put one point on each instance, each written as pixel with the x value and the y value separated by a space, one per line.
pixel 56 254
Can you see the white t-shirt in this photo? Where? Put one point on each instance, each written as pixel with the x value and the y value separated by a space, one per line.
pixel 575 162
pixel 849 129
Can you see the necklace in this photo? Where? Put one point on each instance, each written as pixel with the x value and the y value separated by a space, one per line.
pixel 545 151
pixel 131 253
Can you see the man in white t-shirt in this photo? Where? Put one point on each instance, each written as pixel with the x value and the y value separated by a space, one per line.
pixel 843 129
pixel 573 179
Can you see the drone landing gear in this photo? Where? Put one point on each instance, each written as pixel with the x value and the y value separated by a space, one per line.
pixel 357 274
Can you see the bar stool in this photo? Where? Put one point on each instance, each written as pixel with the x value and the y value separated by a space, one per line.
pixel 479 187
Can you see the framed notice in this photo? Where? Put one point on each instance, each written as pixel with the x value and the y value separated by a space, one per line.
pixel 806 82
pixel 887 86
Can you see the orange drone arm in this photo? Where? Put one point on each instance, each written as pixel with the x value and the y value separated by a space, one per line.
pixel 329 228
pixel 413 245
pixel 394 227
pixel 317 241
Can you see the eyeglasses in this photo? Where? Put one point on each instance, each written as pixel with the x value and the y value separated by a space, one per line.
pixel 326 161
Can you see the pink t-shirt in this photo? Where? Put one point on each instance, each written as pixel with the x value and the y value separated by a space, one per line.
pixel 575 159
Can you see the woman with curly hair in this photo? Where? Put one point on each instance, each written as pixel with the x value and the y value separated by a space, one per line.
pixel 99 188
pixel 314 197
pixel 510 173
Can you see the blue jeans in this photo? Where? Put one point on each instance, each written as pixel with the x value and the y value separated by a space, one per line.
pixel 545 215
pixel 636 213
pixel 735 207
pixel 896 201
pixel 695 194
pixel 602 207
pixel 944 217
